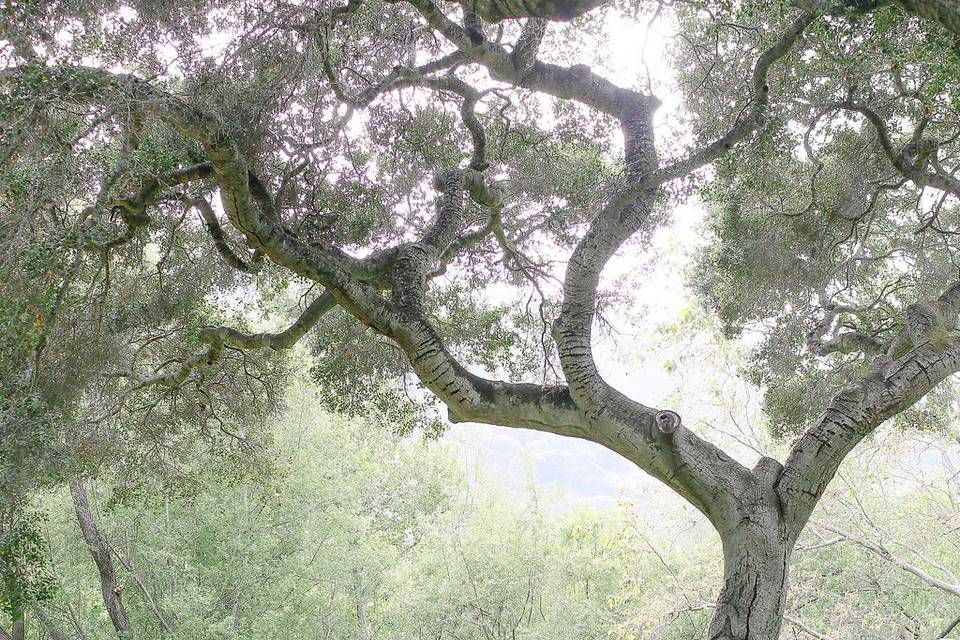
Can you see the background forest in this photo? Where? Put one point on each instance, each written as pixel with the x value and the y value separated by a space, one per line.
pixel 265 268
pixel 335 527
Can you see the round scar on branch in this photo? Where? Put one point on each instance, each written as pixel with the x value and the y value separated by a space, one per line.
pixel 667 421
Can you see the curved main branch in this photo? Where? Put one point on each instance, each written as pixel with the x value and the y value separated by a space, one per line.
pixel 352 282
pixel 888 388
pixel 693 467
pixel 944 12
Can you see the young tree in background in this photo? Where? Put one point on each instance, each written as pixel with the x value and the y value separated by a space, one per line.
pixel 831 142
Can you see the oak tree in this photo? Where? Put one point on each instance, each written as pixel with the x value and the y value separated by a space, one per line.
pixel 446 183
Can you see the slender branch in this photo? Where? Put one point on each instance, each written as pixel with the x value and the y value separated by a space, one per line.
pixel 759 101
pixel 398 78
pixel 143 589
pixel 403 77
pixel 276 341
pixel 55 632
pixel 133 209
pixel 218 337
pixel 844 342
pixel 179 375
pixel 953 588
pixel 912 159
pixel 467 111
pixel 950 627
pixel 219 238
pixel 805 628
pixel 820 545
pixel 848 342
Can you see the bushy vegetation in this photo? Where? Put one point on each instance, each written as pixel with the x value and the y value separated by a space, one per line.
pixel 358 533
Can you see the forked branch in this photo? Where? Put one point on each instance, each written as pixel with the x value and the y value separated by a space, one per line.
pixel 889 387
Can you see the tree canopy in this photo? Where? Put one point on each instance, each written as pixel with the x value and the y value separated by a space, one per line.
pixel 429 193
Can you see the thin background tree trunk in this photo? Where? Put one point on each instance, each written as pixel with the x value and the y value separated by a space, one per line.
pixel 99 549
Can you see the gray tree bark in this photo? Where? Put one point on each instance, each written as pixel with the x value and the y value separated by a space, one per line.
pixel 756 557
pixel 758 512
pixel 944 12
pixel 100 551
pixel 52 628
pixel 17 630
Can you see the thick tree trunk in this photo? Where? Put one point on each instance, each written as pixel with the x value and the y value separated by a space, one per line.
pixel 751 603
pixel 756 555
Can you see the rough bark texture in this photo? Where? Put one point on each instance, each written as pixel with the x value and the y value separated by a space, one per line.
pixel 756 556
pixel 946 13
pixel 50 625
pixel 497 10
pixel 17 630
pixel 759 513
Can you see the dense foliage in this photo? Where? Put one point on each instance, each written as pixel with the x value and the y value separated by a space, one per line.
pixel 426 197
pixel 356 534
